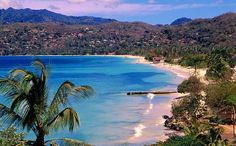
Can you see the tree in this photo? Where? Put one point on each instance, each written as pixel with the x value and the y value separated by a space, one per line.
pixel 218 93
pixel 219 70
pixel 231 101
pixel 180 141
pixel 189 108
pixel 196 61
pixel 29 106
pixel 219 54
pixel 9 137
pixel 219 63
pixel 191 85
pixel 197 134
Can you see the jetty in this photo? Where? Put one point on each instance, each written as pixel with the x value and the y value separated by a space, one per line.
pixel 150 92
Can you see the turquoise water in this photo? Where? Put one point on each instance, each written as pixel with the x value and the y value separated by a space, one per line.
pixel 111 116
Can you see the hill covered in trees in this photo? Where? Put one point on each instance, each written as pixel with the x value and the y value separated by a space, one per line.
pixel 197 36
pixel 11 15
pixel 181 21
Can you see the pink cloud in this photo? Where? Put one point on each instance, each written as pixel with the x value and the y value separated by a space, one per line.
pixel 10 3
pixel 101 7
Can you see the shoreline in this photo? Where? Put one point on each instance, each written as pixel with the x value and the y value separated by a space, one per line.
pixel 182 73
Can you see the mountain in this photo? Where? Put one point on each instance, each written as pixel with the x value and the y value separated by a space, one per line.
pixel 181 21
pixel 196 36
pixel 11 15
pixel 219 31
pixel 159 25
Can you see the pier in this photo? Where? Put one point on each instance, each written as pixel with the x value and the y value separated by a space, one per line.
pixel 150 92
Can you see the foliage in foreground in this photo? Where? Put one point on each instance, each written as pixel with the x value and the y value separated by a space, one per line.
pixel 179 141
pixel 197 113
pixel 9 137
pixel 198 134
pixel 29 106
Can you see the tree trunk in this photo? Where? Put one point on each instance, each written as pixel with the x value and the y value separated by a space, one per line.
pixel 40 138
pixel 234 121
pixel 39 141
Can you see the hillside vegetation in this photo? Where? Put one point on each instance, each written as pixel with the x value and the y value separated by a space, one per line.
pixel 198 36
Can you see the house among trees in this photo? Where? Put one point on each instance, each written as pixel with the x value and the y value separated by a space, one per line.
pixel 156 60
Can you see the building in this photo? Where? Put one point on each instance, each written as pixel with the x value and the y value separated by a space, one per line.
pixel 156 59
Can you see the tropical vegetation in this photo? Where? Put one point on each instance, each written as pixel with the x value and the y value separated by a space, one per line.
pixel 31 107
pixel 198 134
pixel 197 37
pixel 10 137
pixel 200 113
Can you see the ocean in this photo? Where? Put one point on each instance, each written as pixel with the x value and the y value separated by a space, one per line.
pixel 110 117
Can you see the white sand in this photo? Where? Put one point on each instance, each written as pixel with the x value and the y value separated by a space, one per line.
pixel 180 71
pixel 183 73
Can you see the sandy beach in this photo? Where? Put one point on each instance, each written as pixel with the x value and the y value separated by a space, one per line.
pixel 143 134
pixel 180 71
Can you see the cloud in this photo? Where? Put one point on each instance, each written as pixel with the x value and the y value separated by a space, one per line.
pixel 219 1
pixel 128 8
pixel 151 1
pixel 103 3
pixel 77 1
pixel 52 7
pixel 95 1
pixel 10 3
pixel 4 3
pixel 107 8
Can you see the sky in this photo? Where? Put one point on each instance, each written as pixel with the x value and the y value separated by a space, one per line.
pixel 149 11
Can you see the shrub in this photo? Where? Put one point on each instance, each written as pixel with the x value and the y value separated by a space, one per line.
pixel 9 137
pixel 219 71
pixel 198 61
pixel 180 141
pixel 217 94
pixel 192 85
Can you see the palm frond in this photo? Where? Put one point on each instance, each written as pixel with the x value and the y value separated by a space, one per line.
pixel 9 87
pixel 22 75
pixel 44 73
pixel 9 116
pixel 65 90
pixel 60 97
pixel 83 91
pixel 17 73
pixel 17 100
pixel 29 119
pixel 66 118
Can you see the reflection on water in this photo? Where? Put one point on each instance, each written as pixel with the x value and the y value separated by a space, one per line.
pixel 139 129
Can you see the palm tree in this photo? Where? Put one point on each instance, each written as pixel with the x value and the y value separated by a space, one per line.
pixel 231 102
pixel 29 106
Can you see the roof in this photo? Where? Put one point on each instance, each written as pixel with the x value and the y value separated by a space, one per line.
pixel 157 58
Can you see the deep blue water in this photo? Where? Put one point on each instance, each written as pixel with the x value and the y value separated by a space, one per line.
pixel 109 117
